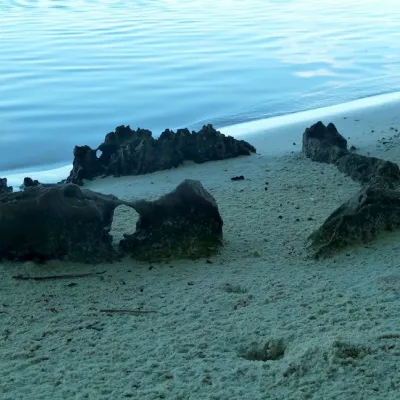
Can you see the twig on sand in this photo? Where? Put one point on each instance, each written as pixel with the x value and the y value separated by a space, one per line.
pixel 131 312
pixel 44 278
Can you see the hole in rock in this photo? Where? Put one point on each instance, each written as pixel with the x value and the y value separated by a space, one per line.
pixel 124 221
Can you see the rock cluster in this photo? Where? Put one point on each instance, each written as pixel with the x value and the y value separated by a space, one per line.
pixel 65 221
pixel 71 223
pixel 62 221
pixel 135 152
pixel 374 209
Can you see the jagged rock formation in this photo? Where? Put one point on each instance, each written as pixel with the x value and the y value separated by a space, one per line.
pixel 3 186
pixel 135 152
pixel 184 223
pixel 375 208
pixel 324 143
pixel 29 182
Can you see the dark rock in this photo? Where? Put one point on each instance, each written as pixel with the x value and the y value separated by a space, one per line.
pixel 369 170
pixel 271 350
pixel 69 223
pixel 324 143
pixel 135 152
pixel 60 222
pixel 375 208
pixel 3 186
pixel 184 223
pixel 29 182
pixel 237 178
pixel 86 165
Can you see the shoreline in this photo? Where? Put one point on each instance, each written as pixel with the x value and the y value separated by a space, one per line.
pixel 333 320
pixel 281 131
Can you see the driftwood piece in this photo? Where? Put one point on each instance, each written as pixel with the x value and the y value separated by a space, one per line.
pixel 51 277
pixel 130 312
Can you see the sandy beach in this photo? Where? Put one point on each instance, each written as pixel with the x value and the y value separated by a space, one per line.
pixel 334 320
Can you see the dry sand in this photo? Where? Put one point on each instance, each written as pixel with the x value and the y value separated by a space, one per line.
pixel 337 319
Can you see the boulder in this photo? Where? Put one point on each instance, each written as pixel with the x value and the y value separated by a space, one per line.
pixel 3 186
pixel 374 209
pixel 60 222
pixel 135 152
pixel 184 223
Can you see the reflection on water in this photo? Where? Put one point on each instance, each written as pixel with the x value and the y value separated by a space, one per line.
pixel 71 71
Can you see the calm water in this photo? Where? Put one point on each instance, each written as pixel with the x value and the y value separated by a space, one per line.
pixel 71 71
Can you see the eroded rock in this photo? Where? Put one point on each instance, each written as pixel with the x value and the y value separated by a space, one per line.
pixel 184 223
pixel 369 170
pixel 374 209
pixel 135 152
pixel 67 222
pixel 325 144
pixel 60 222
pixel 32 183
pixel 29 182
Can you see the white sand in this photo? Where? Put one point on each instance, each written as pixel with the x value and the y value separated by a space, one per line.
pixel 338 318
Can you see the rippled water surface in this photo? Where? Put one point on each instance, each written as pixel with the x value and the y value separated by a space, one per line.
pixel 71 71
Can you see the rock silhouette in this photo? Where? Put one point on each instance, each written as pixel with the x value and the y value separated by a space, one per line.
pixel 29 182
pixel 135 152
pixel 3 186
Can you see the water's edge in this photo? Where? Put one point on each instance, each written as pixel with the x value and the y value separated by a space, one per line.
pixel 258 128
